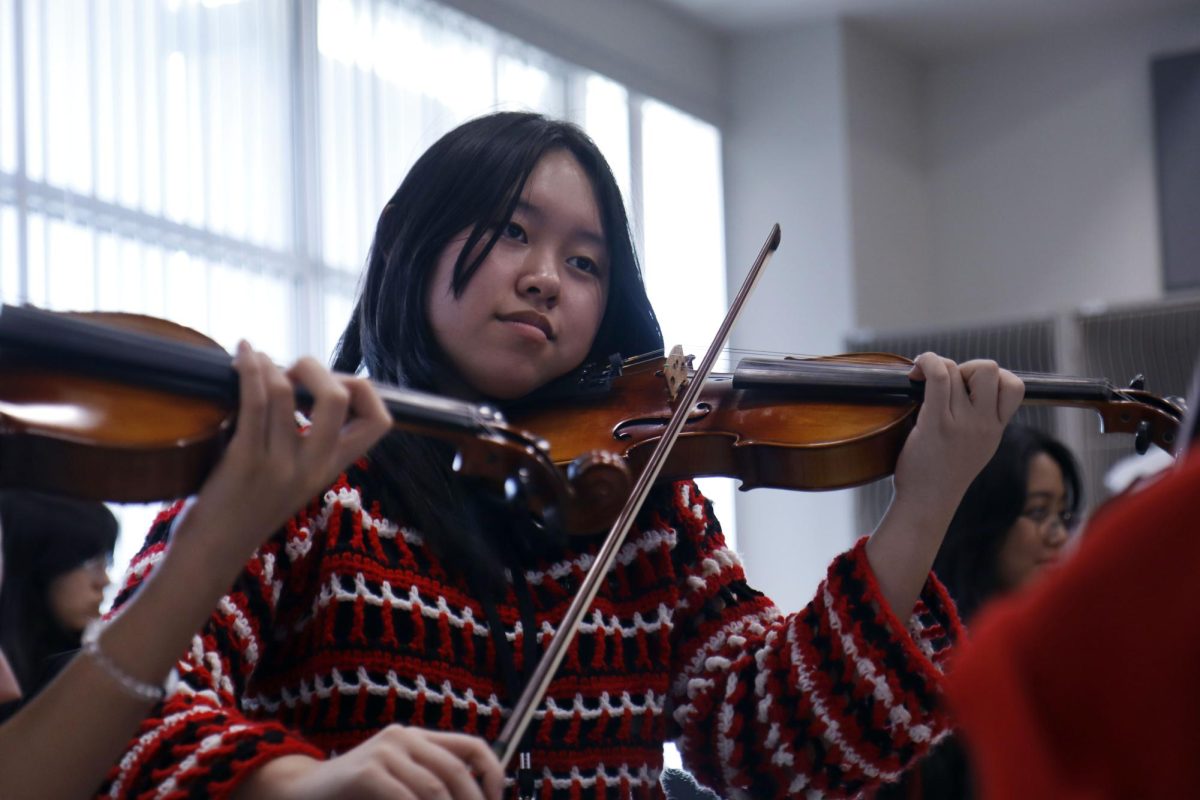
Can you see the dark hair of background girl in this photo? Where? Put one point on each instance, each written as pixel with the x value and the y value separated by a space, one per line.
pixel 44 536
pixel 470 179
pixel 967 560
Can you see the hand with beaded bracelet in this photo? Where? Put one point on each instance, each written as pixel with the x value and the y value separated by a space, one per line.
pixel 69 735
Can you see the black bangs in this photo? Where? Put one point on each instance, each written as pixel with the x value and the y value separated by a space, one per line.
pixel 47 535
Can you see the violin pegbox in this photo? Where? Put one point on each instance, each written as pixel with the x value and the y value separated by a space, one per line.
pixel 675 371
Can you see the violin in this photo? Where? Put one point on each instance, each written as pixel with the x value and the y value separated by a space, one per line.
pixel 812 423
pixel 129 408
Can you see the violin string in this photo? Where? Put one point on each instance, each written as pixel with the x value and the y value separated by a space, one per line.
pixel 904 368
pixel 891 368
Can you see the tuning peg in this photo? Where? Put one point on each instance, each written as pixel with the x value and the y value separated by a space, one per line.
pixel 1138 383
pixel 1141 437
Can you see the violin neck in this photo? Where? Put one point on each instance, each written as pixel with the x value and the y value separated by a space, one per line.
pixel 834 380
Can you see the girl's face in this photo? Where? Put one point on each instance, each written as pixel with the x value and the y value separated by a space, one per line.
pixel 530 312
pixel 1036 539
pixel 75 596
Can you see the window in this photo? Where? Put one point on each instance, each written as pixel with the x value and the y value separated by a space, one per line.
pixel 221 163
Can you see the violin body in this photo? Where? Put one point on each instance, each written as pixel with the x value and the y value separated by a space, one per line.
pixel 99 439
pixel 771 438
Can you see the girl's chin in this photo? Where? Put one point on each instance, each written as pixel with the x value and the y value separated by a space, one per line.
pixel 508 387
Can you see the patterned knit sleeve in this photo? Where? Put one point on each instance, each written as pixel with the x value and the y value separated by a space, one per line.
pixel 822 703
pixel 196 743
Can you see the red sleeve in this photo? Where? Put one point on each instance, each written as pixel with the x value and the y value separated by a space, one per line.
pixel 197 743
pixel 1085 685
pixel 828 701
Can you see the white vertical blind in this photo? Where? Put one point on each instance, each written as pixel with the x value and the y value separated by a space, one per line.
pixel 8 87
pixel 685 244
pixel 157 154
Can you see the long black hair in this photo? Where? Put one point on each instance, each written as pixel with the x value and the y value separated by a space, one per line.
pixel 470 179
pixel 44 536
pixel 967 561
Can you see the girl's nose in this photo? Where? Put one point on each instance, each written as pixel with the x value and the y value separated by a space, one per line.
pixel 539 281
pixel 1056 533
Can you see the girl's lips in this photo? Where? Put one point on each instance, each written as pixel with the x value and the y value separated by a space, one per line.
pixel 525 329
pixel 530 319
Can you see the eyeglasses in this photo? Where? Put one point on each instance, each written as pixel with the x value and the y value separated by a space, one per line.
pixel 1044 517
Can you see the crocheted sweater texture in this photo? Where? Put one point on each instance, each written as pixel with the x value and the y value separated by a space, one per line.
pixel 345 622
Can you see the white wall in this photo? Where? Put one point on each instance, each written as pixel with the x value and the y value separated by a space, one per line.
pixel 1041 171
pixel 890 226
pixel 1001 184
pixel 785 161
pixel 646 46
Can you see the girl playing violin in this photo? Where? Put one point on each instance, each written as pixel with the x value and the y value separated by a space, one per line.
pixel 374 644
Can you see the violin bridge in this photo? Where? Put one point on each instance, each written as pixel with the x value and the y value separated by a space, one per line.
pixel 675 370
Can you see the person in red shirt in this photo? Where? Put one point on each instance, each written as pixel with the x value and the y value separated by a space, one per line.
pixel 1085 686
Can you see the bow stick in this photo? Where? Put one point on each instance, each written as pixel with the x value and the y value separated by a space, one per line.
pixel 508 743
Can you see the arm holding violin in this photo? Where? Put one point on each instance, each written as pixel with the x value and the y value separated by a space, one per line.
pixel 829 701
pixel 195 552
pixel 205 739
pixel 964 413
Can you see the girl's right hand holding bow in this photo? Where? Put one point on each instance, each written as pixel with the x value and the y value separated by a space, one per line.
pixel 398 763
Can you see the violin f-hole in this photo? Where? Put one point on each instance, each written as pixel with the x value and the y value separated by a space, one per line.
pixel 623 430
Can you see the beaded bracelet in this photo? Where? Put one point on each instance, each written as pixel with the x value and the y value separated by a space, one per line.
pixel 131 685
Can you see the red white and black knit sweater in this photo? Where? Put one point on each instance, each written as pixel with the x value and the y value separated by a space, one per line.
pixel 345 622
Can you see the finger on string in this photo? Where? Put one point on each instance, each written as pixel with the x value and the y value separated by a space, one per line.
pixel 283 433
pixel 983 384
pixel 959 399
pixel 1011 393
pixel 930 368
pixel 252 398
pixel 330 402
pixel 368 419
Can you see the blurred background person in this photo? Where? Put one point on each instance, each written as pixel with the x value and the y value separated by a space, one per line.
pixel 1085 685
pixel 56 557
pixel 1013 522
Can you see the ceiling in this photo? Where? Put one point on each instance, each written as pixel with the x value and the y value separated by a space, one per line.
pixel 927 27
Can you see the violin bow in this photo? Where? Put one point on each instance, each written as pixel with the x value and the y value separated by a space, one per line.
pixel 508 743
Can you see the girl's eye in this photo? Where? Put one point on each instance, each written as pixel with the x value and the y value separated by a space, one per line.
pixel 514 231
pixel 584 263
pixel 1037 515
